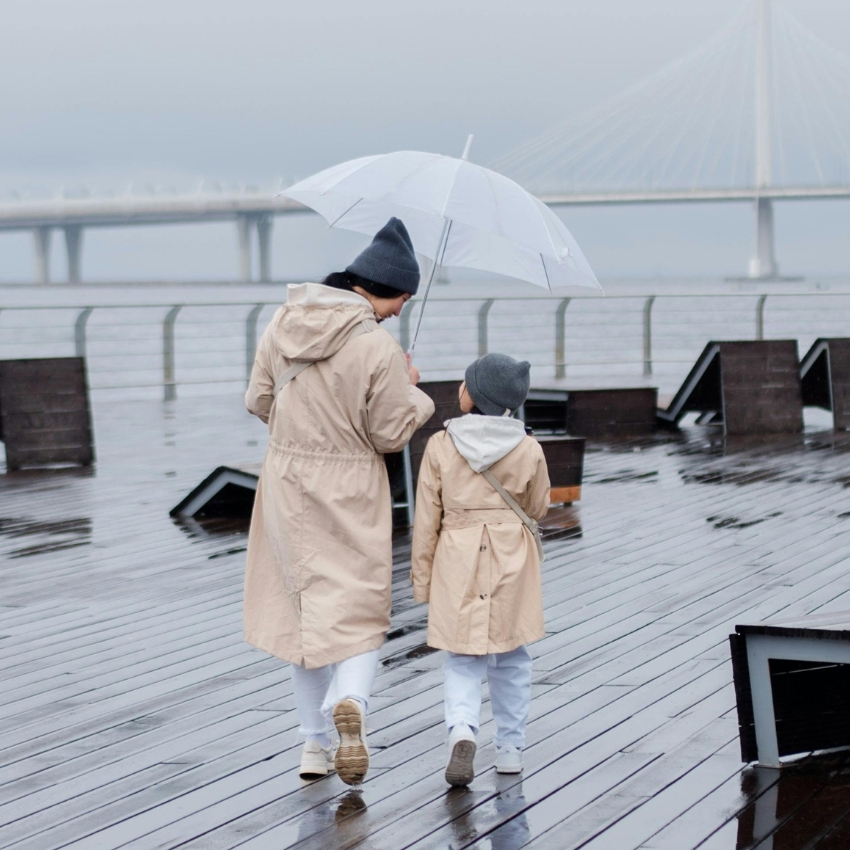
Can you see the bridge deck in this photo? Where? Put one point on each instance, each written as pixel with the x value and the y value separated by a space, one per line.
pixel 132 715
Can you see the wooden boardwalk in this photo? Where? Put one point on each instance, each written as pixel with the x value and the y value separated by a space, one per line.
pixel 133 716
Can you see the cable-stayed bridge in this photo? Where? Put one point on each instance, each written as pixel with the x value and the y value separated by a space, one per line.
pixel 757 114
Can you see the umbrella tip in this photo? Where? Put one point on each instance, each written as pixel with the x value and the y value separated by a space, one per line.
pixel 468 146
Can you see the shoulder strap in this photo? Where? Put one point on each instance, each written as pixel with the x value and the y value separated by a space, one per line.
pixel 530 524
pixel 364 327
pixel 292 372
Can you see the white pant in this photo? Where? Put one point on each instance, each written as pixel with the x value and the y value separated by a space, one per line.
pixel 318 690
pixel 509 677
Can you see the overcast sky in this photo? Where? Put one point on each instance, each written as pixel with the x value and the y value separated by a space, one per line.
pixel 104 93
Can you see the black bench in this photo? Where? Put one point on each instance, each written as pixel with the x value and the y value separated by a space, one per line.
pixel 45 416
pixel 825 377
pixel 792 686
pixel 749 387
pixel 616 412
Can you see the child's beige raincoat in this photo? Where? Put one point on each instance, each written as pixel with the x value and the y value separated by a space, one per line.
pixel 473 558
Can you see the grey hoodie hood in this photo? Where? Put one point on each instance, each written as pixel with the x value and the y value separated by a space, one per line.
pixel 316 321
pixel 484 440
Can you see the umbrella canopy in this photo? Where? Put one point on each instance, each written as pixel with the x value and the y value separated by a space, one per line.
pixel 457 213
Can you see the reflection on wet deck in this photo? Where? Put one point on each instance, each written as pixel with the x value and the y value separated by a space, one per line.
pixel 132 715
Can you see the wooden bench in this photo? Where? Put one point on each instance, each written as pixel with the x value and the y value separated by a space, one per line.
pixel 565 460
pixel 749 387
pixel 228 491
pixel 444 394
pixel 564 455
pixel 616 412
pixel 45 416
pixel 825 378
pixel 792 685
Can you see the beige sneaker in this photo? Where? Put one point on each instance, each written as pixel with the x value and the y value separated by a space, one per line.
pixel 460 770
pixel 352 757
pixel 508 760
pixel 316 761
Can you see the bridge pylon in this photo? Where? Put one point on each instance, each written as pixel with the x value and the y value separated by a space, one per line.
pixel 763 264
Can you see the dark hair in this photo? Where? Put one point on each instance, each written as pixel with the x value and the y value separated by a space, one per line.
pixel 348 280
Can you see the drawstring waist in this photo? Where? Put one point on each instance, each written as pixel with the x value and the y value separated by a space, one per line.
pixel 324 454
pixel 454 518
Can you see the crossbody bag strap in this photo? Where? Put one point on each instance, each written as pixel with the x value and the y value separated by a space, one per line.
pixel 292 372
pixel 530 524
pixel 366 326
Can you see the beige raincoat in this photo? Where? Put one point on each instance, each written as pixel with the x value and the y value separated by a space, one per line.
pixel 319 565
pixel 473 559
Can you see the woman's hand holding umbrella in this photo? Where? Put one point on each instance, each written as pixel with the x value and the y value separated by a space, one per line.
pixel 412 371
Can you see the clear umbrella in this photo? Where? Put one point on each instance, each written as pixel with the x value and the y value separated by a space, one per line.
pixel 457 213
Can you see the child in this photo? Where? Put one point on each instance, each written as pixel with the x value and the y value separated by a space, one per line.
pixel 477 562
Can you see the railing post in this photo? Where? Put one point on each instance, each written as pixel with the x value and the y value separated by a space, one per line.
pixel 251 339
pixel 560 338
pixel 80 332
pixel 168 381
pixel 647 335
pixel 483 311
pixel 404 328
pixel 760 318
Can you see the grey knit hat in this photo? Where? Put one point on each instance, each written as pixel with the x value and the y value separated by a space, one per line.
pixel 389 260
pixel 497 383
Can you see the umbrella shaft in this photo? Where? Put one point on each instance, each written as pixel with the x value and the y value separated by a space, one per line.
pixel 441 249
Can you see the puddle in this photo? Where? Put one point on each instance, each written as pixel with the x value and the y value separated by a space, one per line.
pixel 625 475
pixel 420 651
pixel 57 536
pixel 406 630
pixel 235 551
pixel 561 522
pixel 351 803
pixel 737 522
pixel 630 445
pixel 203 528
pixel 565 533
pixel 798 807
pixel 742 477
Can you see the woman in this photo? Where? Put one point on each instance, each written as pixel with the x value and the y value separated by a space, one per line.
pixel 337 394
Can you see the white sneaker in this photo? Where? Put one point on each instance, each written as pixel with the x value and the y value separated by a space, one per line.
pixel 508 760
pixel 316 761
pixel 352 757
pixel 460 769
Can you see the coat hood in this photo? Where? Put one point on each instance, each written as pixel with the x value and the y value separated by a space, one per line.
pixel 484 440
pixel 316 320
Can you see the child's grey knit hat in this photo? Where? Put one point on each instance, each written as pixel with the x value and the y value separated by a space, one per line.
pixel 389 259
pixel 497 383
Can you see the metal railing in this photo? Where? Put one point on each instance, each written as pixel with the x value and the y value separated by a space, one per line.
pixel 549 328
